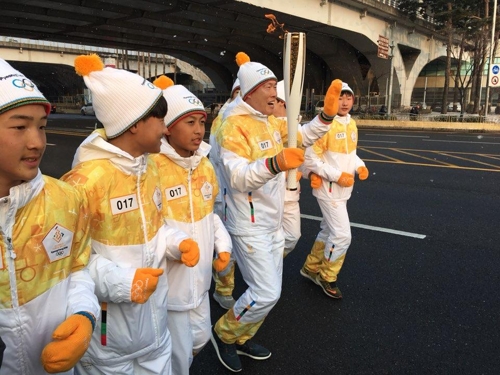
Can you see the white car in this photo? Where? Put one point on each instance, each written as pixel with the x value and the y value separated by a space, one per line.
pixel 87 109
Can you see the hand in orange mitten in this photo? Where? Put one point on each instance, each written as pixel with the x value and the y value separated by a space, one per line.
pixel 332 96
pixel 363 173
pixel 288 158
pixel 71 340
pixel 190 252
pixel 222 261
pixel 144 284
pixel 315 180
pixel 346 180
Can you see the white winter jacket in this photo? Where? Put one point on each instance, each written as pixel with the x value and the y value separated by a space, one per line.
pixel 128 232
pixel 189 188
pixel 44 249
pixel 253 197
pixel 331 155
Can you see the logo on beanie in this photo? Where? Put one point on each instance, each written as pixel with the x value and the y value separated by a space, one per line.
pixel 24 84
pixel 264 71
pixel 148 84
pixel 195 101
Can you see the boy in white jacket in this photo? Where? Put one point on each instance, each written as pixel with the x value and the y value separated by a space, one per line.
pixel 47 304
pixel 130 240
pixel 189 188
pixel 331 164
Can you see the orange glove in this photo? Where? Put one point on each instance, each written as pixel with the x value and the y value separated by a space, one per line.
pixel 222 261
pixel 332 96
pixel 346 180
pixel 288 158
pixel 190 252
pixel 144 284
pixel 315 180
pixel 71 340
pixel 363 173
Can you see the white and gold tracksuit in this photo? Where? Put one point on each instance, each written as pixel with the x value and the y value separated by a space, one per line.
pixel 44 248
pixel 253 212
pixel 128 232
pixel 331 155
pixel 224 280
pixel 189 187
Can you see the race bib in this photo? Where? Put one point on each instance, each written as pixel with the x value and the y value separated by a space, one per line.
pixel 124 204
pixel 265 145
pixel 175 192
pixel 57 243
pixel 341 135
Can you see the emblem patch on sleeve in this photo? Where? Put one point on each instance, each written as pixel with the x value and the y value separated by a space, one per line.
pixel 57 243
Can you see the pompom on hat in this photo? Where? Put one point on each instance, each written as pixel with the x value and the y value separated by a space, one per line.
pixel 120 98
pixel 251 74
pixel 17 90
pixel 181 102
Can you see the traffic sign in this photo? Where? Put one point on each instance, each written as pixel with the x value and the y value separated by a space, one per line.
pixel 383 47
pixel 495 76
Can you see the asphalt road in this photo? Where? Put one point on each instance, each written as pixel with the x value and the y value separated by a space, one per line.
pixel 420 281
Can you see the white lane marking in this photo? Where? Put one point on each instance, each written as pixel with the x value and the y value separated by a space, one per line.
pixel 50 144
pixel 370 227
pixel 479 143
pixel 395 135
pixel 367 140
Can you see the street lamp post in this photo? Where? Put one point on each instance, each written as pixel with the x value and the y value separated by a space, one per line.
pixel 491 58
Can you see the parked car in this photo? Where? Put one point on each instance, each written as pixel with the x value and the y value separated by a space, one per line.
pixel 87 109
pixel 457 105
pixel 53 108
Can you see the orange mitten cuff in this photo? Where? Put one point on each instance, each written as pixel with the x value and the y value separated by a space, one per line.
pixel 288 158
pixel 190 252
pixel 71 340
pixel 363 173
pixel 222 261
pixel 332 96
pixel 144 284
pixel 315 180
pixel 346 180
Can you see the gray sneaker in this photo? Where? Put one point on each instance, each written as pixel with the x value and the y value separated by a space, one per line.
pixel 309 275
pixel 226 302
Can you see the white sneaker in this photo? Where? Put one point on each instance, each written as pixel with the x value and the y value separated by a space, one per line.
pixel 226 302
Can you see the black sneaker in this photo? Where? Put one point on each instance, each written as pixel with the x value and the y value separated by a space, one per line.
pixel 253 350
pixel 330 288
pixel 226 353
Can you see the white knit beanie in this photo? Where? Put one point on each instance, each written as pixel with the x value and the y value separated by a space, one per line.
pixel 236 86
pixel 280 89
pixel 345 87
pixel 16 90
pixel 120 98
pixel 181 102
pixel 251 74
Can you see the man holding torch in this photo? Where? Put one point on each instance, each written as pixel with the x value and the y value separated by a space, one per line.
pixel 252 159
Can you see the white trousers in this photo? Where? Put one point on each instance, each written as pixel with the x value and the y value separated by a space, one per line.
pixel 335 228
pixel 260 260
pixel 154 363
pixel 190 330
pixel 291 225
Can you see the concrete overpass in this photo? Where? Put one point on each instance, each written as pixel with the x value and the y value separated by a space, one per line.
pixel 341 36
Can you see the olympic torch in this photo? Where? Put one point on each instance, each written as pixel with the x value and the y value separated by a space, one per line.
pixel 294 63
